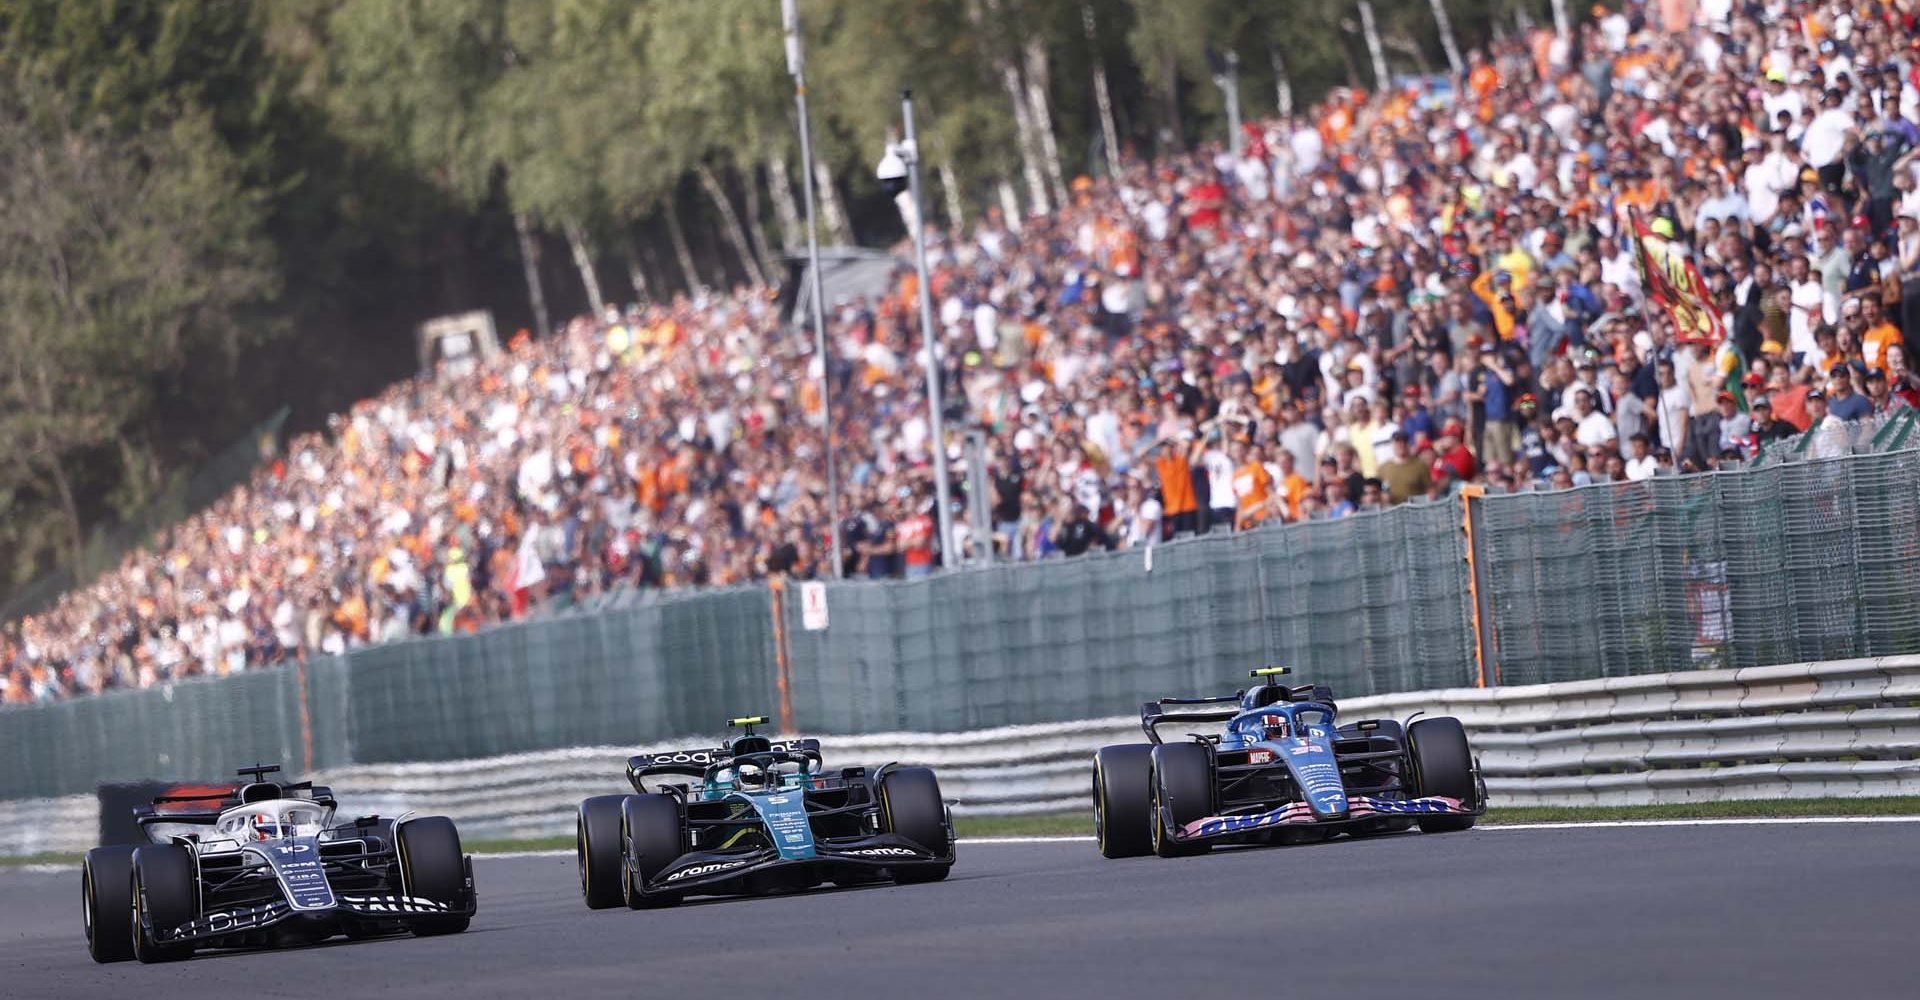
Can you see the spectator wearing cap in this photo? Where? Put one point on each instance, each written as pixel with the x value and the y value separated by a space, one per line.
pixel 1829 437
pixel 1765 426
pixel 1879 395
pixel 1404 475
pixel 1842 402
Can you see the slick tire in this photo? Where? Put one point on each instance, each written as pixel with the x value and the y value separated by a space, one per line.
pixel 434 868
pixel 597 847
pixel 163 895
pixel 1443 765
pixel 910 806
pixel 650 828
pixel 1182 789
pixel 106 881
pixel 1123 800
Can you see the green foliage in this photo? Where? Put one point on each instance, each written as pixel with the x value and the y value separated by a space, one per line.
pixel 127 261
pixel 234 172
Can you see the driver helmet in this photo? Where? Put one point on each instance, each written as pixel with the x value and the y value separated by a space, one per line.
pixel 265 827
pixel 750 777
pixel 1273 727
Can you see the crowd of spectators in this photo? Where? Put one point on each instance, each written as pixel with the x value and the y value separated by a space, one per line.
pixel 1394 295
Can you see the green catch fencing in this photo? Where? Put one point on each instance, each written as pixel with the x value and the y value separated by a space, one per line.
pixel 1797 562
pixel 1369 604
pixel 1797 559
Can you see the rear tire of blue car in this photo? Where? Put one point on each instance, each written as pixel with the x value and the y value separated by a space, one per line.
pixel 1182 789
pixel 162 894
pixel 435 868
pixel 911 806
pixel 597 849
pixel 1443 765
pixel 1123 800
pixel 650 828
pixel 105 881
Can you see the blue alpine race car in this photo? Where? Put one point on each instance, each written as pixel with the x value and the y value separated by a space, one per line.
pixel 1285 771
pixel 754 815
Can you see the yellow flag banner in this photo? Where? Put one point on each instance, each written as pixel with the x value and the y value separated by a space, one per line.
pixel 1670 277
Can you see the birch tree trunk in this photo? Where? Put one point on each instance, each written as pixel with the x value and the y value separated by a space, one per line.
pixel 785 210
pixel 1009 204
pixel 1042 114
pixel 1561 25
pixel 583 262
pixel 681 253
pixel 530 268
pixel 950 187
pixel 1282 83
pixel 1455 63
pixel 1009 73
pixel 756 230
pixel 1102 98
pixel 833 218
pixel 1173 128
pixel 1371 32
pixel 730 222
pixel 637 275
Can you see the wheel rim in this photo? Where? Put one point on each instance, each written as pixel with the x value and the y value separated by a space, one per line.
pixel 580 851
pixel 86 900
pixel 136 920
pixel 1099 809
pixel 1158 835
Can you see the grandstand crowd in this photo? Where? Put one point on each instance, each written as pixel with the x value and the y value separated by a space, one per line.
pixel 1377 302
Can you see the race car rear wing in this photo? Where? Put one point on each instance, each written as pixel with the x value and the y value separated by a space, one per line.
pixel 695 762
pixel 1153 713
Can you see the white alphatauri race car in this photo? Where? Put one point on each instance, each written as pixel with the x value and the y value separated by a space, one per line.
pixel 264 863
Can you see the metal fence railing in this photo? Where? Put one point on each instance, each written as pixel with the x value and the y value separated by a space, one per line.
pixel 1789 561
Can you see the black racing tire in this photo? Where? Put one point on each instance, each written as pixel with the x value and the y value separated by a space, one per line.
pixel 1443 765
pixel 597 848
pixel 1123 800
pixel 1182 783
pixel 162 892
pixel 654 837
pixel 433 867
pixel 106 902
pixel 911 807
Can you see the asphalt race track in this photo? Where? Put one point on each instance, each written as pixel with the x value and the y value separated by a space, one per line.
pixel 1694 911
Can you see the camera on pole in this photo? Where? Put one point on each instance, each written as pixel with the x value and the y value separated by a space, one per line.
pixel 892 172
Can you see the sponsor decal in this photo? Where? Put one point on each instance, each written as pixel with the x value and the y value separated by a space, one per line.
pixel 1294 813
pixel 1430 804
pixel 396 904
pixel 708 869
pixel 1303 750
pixel 292 848
pixel 682 757
pixel 1259 756
pixel 884 852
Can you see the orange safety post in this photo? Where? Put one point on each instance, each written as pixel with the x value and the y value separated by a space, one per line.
pixel 1468 494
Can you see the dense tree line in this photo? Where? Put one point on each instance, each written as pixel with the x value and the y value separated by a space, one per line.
pixel 209 208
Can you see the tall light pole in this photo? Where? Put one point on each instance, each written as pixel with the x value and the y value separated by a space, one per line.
pixel 797 66
pixel 906 153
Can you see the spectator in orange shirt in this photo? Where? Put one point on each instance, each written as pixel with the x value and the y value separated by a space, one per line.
pixel 1252 485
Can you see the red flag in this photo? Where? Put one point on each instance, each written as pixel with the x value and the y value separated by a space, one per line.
pixel 1670 277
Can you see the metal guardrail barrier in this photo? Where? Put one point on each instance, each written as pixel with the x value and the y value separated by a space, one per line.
pixel 1806 730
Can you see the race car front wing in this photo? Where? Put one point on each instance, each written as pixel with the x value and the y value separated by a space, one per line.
pixel 709 870
pixel 221 923
pixel 1360 807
